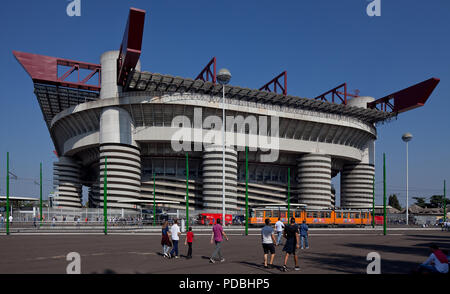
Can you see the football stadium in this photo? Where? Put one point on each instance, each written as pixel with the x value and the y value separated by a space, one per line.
pixel 159 137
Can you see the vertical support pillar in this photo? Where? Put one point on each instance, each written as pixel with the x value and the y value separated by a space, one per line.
pixel 187 192
pixel 373 204
pixel 66 175
pixel 289 195
pixel 213 178
pixel 384 194
pixel 40 197
pixel 246 191
pixel 117 143
pixel 105 196
pixel 357 186
pixel 7 193
pixel 314 180
pixel 154 199
pixel 445 203
pixel 407 186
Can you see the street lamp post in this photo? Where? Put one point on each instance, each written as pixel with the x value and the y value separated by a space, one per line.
pixel 223 77
pixel 406 138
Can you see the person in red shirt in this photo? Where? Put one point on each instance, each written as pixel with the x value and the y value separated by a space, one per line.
pixel 189 240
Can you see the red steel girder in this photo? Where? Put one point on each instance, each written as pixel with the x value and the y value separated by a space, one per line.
pixel 275 83
pixel 207 73
pixel 131 47
pixel 406 99
pixel 335 93
pixel 44 69
pixel 356 95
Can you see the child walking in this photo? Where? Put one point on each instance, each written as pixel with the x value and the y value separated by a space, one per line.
pixel 165 240
pixel 189 240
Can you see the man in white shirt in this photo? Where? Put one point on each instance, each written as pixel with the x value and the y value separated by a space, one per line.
pixel 437 262
pixel 268 240
pixel 175 234
pixel 279 226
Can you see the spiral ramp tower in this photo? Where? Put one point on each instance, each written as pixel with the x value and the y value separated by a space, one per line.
pixel 213 179
pixel 66 175
pixel 314 181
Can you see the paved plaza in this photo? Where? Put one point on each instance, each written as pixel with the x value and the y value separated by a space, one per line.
pixel 331 252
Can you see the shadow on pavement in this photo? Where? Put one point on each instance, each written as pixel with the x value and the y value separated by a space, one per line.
pixel 351 264
pixel 106 272
pixel 261 267
pixel 443 238
pixel 422 251
pixel 341 263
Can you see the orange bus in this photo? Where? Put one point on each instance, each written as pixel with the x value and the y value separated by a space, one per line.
pixel 324 218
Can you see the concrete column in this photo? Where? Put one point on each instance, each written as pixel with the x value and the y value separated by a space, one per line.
pixel 117 145
pixel 212 179
pixel 357 185
pixel 108 61
pixel 116 126
pixel 66 176
pixel 314 181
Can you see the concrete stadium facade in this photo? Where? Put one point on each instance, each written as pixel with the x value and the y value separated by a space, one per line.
pixel 133 127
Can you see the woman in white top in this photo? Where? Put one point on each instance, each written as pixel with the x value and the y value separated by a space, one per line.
pixel 279 226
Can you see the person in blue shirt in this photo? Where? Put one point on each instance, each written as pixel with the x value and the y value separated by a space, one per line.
pixel 304 235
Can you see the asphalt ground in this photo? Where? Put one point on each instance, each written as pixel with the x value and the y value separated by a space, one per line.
pixel 331 252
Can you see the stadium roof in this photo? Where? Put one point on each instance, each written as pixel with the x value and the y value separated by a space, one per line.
pixel 159 84
pixel 53 99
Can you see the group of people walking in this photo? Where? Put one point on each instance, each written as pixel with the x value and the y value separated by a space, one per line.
pixel 171 237
pixel 3 220
pixel 296 237
pixel 446 226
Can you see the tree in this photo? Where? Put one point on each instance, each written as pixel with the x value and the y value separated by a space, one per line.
pixel 393 202
pixel 420 201
pixel 437 201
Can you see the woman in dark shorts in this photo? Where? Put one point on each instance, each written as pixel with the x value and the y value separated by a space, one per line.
pixel 292 243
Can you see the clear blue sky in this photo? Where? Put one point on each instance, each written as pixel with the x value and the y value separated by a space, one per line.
pixel 320 43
